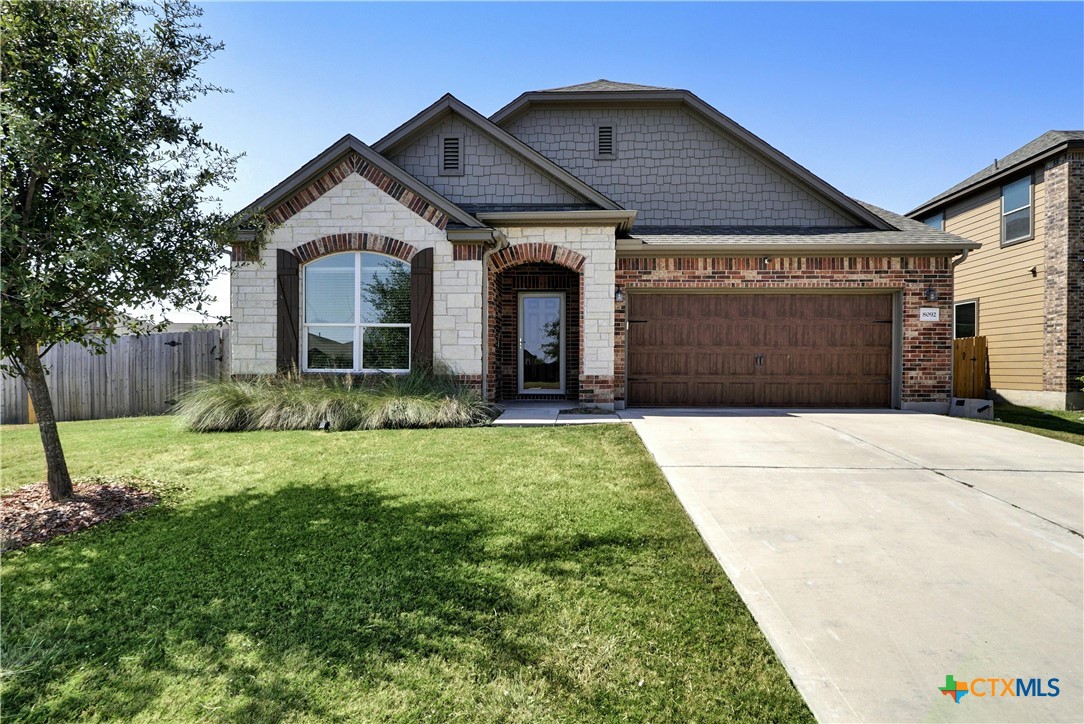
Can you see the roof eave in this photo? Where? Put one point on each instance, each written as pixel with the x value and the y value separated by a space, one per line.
pixel 937 203
pixel 487 236
pixel 619 218
pixel 629 246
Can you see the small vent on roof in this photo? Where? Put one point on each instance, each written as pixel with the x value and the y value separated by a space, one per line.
pixel 605 145
pixel 451 161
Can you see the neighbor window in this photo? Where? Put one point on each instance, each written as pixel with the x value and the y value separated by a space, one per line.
pixel 451 155
pixel 966 320
pixel 1016 211
pixel 357 314
pixel 937 221
pixel 605 145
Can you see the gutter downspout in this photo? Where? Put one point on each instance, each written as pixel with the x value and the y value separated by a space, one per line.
pixel 952 362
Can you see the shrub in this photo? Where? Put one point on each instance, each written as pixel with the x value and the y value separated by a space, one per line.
pixel 428 397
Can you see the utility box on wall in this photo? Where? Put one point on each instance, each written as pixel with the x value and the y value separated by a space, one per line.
pixel 972 408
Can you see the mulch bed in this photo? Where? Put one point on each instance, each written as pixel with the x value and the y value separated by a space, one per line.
pixel 28 516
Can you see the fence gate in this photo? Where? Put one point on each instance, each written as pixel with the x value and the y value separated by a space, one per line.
pixel 970 369
pixel 136 376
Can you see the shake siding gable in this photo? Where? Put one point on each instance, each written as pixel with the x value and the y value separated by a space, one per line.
pixel 490 173
pixel 672 168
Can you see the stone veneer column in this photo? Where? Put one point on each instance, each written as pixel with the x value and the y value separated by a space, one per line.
pixel 457 309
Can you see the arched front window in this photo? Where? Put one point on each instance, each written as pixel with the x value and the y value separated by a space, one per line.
pixel 357 314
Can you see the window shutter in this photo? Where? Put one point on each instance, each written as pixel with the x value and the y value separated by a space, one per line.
pixel 450 160
pixel 289 305
pixel 421 308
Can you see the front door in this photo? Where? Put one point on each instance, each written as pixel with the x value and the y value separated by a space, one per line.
pixel 541 343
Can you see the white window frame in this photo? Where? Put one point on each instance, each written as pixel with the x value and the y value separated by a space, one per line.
pixel 357 324
pixel 939 218
pixel 1030 206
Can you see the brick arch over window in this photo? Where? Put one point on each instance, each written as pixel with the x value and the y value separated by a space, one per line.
pixel 335 243
pixel 549 253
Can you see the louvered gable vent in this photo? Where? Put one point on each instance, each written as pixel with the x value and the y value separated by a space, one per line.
pixel 452 155
pixel 605 145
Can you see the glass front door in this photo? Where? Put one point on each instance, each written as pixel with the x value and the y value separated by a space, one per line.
pixel 541 343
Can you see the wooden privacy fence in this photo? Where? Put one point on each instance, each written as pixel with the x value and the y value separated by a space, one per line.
pixel 136 376
pixel 970 369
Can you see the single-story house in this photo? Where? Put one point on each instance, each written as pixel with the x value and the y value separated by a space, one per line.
pixel 605 243
pixel 1023 288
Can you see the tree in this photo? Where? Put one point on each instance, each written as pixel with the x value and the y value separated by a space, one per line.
pixel 106 184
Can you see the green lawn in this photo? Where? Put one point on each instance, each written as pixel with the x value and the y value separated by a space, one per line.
pixel 540 574
pixel 1065 425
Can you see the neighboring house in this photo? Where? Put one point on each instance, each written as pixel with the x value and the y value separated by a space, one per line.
pixel 1023 289
pixel 605 243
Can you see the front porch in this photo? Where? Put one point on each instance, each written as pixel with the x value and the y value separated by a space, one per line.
pixel 535 313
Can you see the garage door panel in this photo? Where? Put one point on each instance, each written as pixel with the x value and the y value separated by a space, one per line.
pixel 753 349
pixel 725 393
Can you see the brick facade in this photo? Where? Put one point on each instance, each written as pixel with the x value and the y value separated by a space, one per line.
pixel 1063 293
pixel 588 251
pixel 505 289
pixel 467 252
pixel 925 377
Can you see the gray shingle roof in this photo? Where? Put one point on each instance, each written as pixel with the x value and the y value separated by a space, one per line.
pixel 1042 144
pixel 907 233
pixel 603 85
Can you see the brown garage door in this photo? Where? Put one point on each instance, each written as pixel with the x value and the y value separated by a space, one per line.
pixel 778 350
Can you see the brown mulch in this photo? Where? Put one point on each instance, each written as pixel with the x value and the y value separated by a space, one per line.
pixel 28 516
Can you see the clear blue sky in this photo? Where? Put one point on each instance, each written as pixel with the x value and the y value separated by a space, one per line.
pixel 890 102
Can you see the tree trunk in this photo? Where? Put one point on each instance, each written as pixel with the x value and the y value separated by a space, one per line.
pixel 60 482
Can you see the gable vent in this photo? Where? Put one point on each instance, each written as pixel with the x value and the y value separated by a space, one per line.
pixel 451 161
pixel 605 146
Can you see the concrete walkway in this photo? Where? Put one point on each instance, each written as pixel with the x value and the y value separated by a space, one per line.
pixel 544 413
pixel 883 551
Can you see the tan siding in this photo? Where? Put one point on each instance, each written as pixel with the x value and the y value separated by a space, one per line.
pixel 1010 298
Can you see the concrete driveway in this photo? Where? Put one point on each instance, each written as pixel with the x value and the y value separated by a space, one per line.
pixel 883 551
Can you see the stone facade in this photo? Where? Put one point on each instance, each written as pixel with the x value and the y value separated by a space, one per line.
pixel 671 168
pixel 1063 295
pixel 458 324
pixel 491 174
pixel 353 206
pixel 925 368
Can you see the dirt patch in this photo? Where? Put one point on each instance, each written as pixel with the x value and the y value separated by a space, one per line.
pixel 28 516
pixel 587 411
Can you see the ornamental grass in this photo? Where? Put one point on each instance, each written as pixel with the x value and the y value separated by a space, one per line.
pixel 424 398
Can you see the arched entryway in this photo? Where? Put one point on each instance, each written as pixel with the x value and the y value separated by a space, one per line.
pixel 535 320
